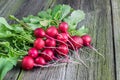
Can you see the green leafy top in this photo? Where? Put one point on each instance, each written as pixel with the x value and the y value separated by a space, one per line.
pixel 13 44
pixel 75 17
pixel 54 16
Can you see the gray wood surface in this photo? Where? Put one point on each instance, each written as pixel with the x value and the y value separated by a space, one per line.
pixel 103 20
pixel 116 29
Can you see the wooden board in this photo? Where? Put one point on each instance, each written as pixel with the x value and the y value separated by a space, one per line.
pixel 98 20
pixel 116 34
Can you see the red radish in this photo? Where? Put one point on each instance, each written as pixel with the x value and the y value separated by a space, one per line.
pixel 48 54
pixel 86 40
pixel 39 33
pixel 77 41
pixel 62 49
pixel 56 39
pixel 63 37
pixel 33 52
pixel 39 43
pixel 40 61
pixel 63 27
pixel 27 63
pixel 50 43
pixel 52 31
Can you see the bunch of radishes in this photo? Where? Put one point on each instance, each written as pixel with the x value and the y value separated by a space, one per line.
pixel 53 44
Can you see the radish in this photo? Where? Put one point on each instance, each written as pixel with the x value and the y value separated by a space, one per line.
pixel 52 31
pixel 39 33
pixel 27 63
pixel 77 41
pixel 50 43
pixel 33 52
pixel 40 61
pixel 86 40
pixel 48 54
pixel 63 27
pixel 63 37
pixel 62 49
pixel 39 43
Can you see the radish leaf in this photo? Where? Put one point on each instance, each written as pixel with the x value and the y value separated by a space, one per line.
pixel 75 17
pixel 6 64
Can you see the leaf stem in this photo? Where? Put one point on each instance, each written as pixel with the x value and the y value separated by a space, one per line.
pixel 21 22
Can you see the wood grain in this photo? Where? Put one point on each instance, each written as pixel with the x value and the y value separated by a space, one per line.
pixel 98 20
pixel 8 7
pixel 116 34
pixel 13 74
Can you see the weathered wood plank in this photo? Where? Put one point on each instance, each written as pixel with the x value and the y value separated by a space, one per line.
pixel 13 74
pixel 116 28
pixel 98 18
pixel 31 7
pixel 8 7
pixel 52 73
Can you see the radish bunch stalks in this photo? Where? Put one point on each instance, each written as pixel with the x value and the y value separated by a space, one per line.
pixel 51 47
pixel 87 42
pixel 97 51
